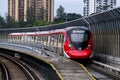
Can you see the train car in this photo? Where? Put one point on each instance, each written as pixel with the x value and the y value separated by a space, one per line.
pixel 72 42
pixel 78 43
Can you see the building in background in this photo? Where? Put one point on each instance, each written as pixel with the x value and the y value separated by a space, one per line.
pixel 95 6
pixel 88 7
pixel 102 5
pixel 18 9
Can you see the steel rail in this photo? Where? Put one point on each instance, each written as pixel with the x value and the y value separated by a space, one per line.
pixel 106 66
pixel 22 67
pixel 5 72
pixel 105 69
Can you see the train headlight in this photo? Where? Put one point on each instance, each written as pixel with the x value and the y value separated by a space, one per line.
pixel 70 46
pixel 88 47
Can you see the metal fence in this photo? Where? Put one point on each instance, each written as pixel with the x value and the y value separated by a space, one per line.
pixel 105 27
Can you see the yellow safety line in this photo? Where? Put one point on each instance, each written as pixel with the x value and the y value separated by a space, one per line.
pixel 88 72
pixel 85 70
pixel 60 76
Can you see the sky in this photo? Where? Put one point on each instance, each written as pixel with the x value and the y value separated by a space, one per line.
pixel 3 7
pixel 70 6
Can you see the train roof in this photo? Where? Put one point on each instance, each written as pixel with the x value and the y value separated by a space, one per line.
pixel 68 28
pixel 23 33
pixel 13 34
pixel 48 32
pixel 80 27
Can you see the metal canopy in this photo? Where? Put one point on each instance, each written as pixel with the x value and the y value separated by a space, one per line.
pixel 96 18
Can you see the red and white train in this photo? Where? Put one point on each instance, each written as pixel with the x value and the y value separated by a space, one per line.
pixel 72 42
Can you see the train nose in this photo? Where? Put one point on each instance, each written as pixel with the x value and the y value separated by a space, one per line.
pixel 79 54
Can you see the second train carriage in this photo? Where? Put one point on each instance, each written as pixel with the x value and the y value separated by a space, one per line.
pixel 72 42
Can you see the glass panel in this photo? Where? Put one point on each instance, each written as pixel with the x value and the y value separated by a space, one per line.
pixel 79 37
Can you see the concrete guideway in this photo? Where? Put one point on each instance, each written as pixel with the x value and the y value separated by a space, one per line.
pixel 70 70
pixel 66 69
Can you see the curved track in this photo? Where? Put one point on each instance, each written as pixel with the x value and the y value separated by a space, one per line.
pixel 4 72
pixel 12 69
pixel 51 68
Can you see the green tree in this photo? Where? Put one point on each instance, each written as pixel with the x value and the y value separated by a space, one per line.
pixel 30 15
pixel 35 20
pixel 41 14
pixel 22 24
pixel 2 22
pixel 60 13
pixel 62 16
pixel 11 23
pixel 72 16
pixel 39 23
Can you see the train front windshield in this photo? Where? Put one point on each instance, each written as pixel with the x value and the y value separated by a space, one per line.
pixel 79 38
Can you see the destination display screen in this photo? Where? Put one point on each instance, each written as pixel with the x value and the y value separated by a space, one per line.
pixel 78 31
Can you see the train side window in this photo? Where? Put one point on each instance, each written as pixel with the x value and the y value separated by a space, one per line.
pixel 16 38
pixel 64 38
pixel 42 39
pixel 58 40
pixel 48 40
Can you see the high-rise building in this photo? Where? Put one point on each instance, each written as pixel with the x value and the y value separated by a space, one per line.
pixel 102 5
pixel 88 7
pixel 18 9
pixel 95 6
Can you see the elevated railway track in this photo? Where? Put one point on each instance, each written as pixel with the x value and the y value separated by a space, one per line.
pixel 94 71
pixel 13 69
pixel 64 68
pixel 50 68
